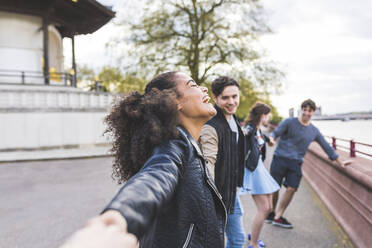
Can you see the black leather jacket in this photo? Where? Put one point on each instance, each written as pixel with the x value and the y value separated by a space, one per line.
pixel 252 148
pixel 172 202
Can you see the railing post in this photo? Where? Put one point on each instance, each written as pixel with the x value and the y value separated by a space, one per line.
pixel 352 148
pixel 334 143
pixel 23 77
pixel 65 78
pixel 73 82
pixel 95 86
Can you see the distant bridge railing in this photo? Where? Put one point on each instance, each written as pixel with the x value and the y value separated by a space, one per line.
pixel 351 147
pixel 344 117
pixel 35 77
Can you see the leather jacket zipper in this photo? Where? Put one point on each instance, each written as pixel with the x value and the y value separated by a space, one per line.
pixel 211 184
pixel 220 197
pixel 247 156
pixel 188 238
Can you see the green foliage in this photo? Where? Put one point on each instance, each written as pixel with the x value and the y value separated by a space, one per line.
pixel 132 82
pixel 111 79
pixel 114 80
pixel 85 73
pixel 248 97
pixel 85 77
pixel 276 118
pixel 205 38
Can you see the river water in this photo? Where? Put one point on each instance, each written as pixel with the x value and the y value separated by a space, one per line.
pixel 358 130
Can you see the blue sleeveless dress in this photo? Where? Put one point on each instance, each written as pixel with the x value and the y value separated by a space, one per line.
pixel 259 181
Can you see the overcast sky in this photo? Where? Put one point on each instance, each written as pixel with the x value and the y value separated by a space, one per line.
pixel 324 46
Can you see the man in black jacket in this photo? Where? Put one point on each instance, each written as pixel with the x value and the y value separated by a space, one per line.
pixel 222 143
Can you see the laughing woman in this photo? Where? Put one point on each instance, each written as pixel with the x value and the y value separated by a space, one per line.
pixel 257 180
pixel 168 199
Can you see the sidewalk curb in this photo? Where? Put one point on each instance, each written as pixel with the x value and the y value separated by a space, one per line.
pixel 54 158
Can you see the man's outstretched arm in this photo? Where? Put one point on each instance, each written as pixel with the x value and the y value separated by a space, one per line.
pixel 330 151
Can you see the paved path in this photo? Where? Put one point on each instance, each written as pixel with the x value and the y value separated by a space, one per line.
pixel 314 226
pixel 41 203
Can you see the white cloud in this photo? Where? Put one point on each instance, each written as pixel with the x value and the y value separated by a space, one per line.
pixel 327 52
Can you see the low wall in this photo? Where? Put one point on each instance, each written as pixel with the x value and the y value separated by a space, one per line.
pixel 42 117
pixel 346 192
pixel 32 130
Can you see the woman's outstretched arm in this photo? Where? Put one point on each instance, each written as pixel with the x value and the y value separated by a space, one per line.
pixel 145 194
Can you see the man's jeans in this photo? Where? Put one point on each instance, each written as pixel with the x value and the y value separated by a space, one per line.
pixel 235 236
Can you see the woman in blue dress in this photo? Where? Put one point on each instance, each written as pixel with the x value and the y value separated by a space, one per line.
pixel 257 180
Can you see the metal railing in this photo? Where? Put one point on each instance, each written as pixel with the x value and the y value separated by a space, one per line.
pixel 26 76
pixel 351 148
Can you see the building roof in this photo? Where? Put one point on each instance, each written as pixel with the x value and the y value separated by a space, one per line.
pixel 70 17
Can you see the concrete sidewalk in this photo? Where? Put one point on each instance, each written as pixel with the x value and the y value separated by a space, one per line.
pixel 55 154
pixel 314 226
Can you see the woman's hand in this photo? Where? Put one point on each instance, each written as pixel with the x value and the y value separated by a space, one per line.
pixel 110 218
pixel 106 230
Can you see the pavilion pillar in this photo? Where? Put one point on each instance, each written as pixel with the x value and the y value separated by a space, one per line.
pixel 73 62
pixel 46 50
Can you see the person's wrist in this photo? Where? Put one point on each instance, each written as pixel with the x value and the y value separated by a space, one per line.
pixel 116 218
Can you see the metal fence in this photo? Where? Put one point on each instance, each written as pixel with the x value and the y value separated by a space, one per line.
pixel 36 77
pixel 351 147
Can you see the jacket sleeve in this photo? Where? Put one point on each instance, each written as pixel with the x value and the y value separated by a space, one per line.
pixel 209 146
pixel 147 192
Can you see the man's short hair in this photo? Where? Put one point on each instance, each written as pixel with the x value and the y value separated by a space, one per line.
pixel 309 103
pixel 220 83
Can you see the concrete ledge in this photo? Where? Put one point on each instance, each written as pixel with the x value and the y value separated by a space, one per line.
pixel 61 147
pixel 55 154
pixel 346 192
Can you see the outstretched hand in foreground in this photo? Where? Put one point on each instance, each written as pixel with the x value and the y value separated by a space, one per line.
pixel 106 230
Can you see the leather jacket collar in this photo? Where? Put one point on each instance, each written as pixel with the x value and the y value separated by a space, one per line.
pixel 186 135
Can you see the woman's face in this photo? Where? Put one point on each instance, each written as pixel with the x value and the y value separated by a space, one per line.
pixel 193 100
pixel 265 118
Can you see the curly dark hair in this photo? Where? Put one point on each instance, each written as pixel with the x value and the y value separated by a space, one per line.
pixel 220 83
pixel 256 112
pixel 138 123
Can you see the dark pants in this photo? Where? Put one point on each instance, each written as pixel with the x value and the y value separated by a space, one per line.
pixel 286 171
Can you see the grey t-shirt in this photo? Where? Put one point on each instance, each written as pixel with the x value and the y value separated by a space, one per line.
pixel 234 127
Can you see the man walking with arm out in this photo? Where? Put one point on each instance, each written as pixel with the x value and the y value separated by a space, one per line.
pixel 222 142
pixel 295 134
